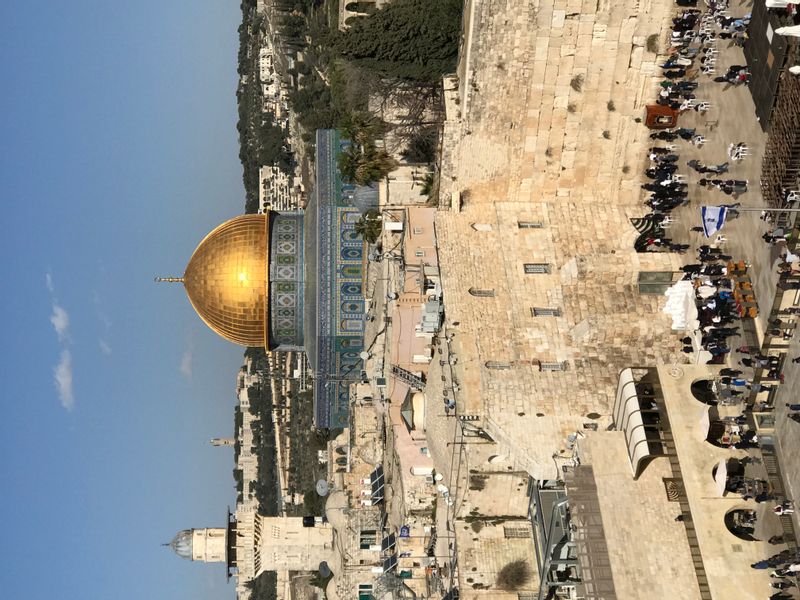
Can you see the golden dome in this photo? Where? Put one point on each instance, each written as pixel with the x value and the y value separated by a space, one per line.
pixel 226 280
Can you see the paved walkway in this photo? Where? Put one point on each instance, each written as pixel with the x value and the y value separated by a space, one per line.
pixel 731 120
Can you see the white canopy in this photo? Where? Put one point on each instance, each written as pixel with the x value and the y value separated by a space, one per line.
pixel 705 423
pixel 721 476
pixel 777 3
pixel 681 306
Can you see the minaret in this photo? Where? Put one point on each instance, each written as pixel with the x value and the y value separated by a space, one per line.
pixel 203 545
pixel 223 442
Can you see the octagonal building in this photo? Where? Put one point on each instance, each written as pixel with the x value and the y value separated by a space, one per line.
pixel 246 280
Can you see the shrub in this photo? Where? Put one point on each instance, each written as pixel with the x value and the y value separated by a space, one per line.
pixel 514 575
pixel 652 43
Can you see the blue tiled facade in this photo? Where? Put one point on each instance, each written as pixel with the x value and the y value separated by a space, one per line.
pixel 286 281
pixel 340 297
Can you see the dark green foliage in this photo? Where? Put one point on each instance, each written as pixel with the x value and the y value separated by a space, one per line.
pixel 265 488
pixel 313 503
pixel 264 587
pixel 369 226
pixel 408 39
pixel 261 140
pixel 294 27
pixel 361 7
pixel 422 146
pixel 313 104
pixel 364 164
pixel 427 185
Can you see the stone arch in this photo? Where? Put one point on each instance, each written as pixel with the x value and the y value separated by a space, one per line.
pixel 703 391
pixel 736 520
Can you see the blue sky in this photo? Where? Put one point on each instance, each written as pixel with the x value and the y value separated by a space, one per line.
pixel 118 154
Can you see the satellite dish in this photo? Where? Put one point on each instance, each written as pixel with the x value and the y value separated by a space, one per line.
pixel 364 355
pixel 324 569
pixel 323 488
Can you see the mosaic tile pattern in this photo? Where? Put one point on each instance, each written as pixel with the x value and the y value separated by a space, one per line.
pixel 340 296
pixel 286 280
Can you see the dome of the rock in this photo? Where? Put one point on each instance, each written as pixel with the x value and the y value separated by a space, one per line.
pixel 226 280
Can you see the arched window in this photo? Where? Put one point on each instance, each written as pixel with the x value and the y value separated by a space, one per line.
pixel 497 365
pixel 481 293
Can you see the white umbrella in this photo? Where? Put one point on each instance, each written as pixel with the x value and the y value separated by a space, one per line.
pixel 705 423
pixel 795 70
pixel 721 476
pixel 793 30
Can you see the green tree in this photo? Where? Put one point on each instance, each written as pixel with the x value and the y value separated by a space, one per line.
pixel 369 226
pixel 365 164
pixel 348 162
pixel 408 39
pixel 422 147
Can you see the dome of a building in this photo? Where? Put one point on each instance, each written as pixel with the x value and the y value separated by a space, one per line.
pixel 182 544
pixel 226 280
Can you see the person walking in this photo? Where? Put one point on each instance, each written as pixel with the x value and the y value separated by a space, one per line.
pixel 730 372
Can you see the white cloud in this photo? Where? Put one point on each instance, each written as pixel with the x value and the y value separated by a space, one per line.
pixel 48 279
pixel 104 320
pixel 186 364
pixel 60 321
pixel 62 376
pixel 104 347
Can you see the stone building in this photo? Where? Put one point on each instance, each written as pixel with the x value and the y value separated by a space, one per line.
pixel 252 544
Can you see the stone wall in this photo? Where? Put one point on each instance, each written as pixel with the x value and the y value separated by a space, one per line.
pixel 546 132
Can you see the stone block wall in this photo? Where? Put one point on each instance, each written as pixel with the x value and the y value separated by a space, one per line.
pixel 547 133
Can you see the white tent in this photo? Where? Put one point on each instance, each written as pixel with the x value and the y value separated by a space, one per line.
pixel 721 476
pixel 705 423
pixel 681 306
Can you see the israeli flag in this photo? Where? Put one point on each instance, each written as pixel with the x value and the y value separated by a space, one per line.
pixel 713 219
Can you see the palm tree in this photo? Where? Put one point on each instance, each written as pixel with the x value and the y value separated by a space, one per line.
pixel 365 165
pixel 348 162
pixel 427 185
pixel 369 226
pixel 361 127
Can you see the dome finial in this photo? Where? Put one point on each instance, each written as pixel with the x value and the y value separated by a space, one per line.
pixel 168 279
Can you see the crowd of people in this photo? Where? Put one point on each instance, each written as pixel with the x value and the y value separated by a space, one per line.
pixel 714 274
pixel 693 38
pixel 783 565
